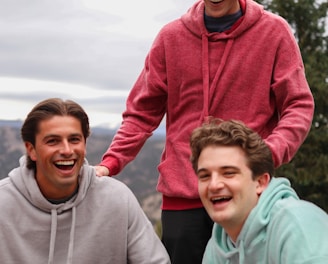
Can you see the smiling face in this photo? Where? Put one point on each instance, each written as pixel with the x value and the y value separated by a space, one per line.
pixel 220 8
pixel 59 153
pixel 226 187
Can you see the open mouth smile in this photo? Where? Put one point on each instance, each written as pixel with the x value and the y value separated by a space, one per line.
pixel 65 164
pixel 217 200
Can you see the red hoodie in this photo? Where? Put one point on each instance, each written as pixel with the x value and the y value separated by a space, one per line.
pixel 252 73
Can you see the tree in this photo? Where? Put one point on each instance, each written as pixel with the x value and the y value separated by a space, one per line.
pixel 308 171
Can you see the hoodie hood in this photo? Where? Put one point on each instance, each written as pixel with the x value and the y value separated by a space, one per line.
pixel 193 20
pixel 24 180
pixel 254 229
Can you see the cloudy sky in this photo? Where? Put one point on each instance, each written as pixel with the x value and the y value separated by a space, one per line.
pixel 90 51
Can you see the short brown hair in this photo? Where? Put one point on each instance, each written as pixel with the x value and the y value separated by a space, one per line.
pixel 47 109
pixel 232 133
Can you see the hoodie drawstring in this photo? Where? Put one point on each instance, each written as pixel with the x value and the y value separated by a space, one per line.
pixel 71 237
pixel 241 252
pixel 206 76
pixel 208 88
pixel 219 71
pixel 53 236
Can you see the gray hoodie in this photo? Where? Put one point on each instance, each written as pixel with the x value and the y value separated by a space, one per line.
pixel 102 223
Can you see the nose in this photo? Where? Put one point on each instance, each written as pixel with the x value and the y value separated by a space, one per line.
pixel 215 182
pixel 66 148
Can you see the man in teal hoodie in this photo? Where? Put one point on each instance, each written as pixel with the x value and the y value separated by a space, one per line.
pixel 258 218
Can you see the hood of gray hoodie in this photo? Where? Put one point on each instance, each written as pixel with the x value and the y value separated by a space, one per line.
pixel 24 180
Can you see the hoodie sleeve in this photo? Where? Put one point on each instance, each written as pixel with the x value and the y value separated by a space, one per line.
pixel 145 109
pixel 293 97
pixel 144 245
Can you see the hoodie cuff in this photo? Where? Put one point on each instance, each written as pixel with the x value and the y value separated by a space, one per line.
pixel 111 164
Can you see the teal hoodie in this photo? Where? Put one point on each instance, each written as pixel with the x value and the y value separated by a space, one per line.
pixel 280 229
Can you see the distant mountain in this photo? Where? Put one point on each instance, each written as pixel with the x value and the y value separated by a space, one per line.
pixel 159 133
pixel 11 123
pixel 140 175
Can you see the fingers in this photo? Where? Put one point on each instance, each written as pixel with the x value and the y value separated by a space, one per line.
pixel 102 171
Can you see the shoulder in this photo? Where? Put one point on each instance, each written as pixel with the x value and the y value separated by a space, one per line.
pixel 116 191
pixel 274 21
pixel 6 187
pixel 104 187
pixel 7 190
pixel 5 182
pixel 11 199
pixel 266 24
pixel 298 215
pixel 112 184
pixel 298 209
pixel 170 29
pixel 301 223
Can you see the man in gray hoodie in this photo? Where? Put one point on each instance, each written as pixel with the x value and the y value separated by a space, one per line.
pixel 55 210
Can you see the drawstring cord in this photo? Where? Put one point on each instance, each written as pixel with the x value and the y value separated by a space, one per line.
pixel 52 235
pixel 207 88
pixel 71 237
pixel 241 252
pixel 206 75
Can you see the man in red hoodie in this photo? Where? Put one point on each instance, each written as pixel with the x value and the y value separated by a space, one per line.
pixel 229 59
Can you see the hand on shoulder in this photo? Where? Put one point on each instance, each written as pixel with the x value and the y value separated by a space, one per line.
pixel 102 171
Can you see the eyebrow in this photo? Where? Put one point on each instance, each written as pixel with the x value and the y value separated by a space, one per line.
pixel 60 136
pixel 221 168
pixel 200 170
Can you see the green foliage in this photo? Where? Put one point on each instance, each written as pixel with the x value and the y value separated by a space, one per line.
pixel 158 228
pixel 308 171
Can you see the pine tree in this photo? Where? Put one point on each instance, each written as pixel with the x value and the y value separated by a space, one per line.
pixel 308 171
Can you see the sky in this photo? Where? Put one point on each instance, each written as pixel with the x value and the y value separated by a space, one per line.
pixel 90 51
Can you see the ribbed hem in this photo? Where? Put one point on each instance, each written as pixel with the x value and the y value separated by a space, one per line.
pixel 176 203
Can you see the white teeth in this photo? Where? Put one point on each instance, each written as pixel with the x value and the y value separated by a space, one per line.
pixel 216 1
pixel 220 198
pixel 65 162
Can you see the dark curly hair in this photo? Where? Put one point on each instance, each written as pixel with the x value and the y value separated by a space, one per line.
pixel 233 133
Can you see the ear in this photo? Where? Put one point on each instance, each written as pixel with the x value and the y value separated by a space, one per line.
pixel 30 150
pixel 262 182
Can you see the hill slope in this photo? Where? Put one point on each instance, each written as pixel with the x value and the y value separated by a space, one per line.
pixel 140 175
